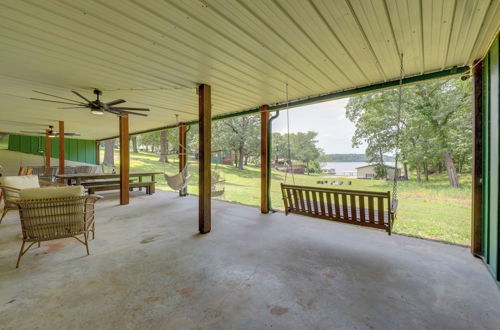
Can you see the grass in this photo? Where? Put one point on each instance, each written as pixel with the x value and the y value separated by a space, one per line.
pixel 430 210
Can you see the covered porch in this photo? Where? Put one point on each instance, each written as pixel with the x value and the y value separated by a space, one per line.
pixel 187 64
pixel 149 269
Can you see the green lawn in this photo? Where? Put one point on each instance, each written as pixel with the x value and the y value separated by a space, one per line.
pixel 430 210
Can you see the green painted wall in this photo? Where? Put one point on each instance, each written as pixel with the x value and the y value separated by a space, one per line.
pixel 75 149
pixel 491 165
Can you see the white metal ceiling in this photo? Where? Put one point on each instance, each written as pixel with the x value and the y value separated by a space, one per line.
pixel 154 53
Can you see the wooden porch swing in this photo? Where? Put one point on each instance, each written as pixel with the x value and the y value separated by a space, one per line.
pixel 357 207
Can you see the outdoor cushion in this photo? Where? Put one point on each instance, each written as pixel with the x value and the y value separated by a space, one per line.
pixel 18 183
pixel 51 192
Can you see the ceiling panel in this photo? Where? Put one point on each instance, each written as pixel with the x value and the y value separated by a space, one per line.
pixel 154 53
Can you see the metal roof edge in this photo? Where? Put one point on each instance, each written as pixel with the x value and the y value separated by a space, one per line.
pixel 325 97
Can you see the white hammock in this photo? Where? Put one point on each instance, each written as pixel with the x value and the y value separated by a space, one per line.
pixel 178 181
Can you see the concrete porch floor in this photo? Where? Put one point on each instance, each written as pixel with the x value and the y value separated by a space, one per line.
pixel 150 269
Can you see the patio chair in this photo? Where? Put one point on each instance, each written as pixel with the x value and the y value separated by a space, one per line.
pixel 10 186
pixel 55 213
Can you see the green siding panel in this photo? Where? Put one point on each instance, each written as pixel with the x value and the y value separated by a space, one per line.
pixel 90 150
pixel 75 149
pixel 486 160
pixel 54 148
pixel 82 146
pixel 35 145
pixel 14 142
pixel 25 144
pixel 491 159
pixel 494 150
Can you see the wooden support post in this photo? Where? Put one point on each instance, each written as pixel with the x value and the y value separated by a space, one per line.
pixel 477 157
pixel 205 127
pixel 124 160
pixel 97 152
pixel 264 157
pixel 61 149
pixel 182 153
pixel 47 153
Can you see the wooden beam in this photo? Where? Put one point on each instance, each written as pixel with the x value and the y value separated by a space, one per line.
pixel 124 160
pixel 182 153
pixel 477 158
pixel 264 157
pixel 61 149
pixel 205 127
pixel 97 152
pixel 47 153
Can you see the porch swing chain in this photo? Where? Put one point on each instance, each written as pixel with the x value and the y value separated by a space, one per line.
pixel 398 129
pixel 288 137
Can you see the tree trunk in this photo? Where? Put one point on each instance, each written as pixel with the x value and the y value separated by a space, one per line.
pixel 450 168
pixel 241 155
pixel 235 158
pixel 426 171
pixel 419 179
pixel 109 152
pixel 246 160
pixel 163 146
pixel 134 144
pixel 405 165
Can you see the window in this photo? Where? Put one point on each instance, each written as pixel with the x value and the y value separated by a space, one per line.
pixel 4 141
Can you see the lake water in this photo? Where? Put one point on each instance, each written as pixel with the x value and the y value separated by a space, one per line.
pixel 346 168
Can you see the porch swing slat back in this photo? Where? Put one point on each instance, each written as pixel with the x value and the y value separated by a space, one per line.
pixel 342 205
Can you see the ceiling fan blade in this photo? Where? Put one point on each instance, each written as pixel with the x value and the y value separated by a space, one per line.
pixel 54 96
pixel 115 102
pixel 36 99
pixel 78 107
pixel 118 112
pixel 83 97
pixel 71 134
pixel 134 109
pixel 31 132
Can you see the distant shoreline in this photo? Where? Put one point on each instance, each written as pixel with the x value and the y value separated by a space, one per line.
pixel 353 158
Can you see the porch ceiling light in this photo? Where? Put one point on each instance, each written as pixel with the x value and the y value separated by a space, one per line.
pixel 97 111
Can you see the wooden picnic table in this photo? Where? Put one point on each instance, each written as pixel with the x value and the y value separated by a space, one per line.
pixel 77 178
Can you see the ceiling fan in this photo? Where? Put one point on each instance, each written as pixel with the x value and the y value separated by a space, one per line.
pixel 50 132
pixel 96 107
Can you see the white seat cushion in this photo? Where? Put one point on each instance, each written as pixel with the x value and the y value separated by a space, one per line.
pixel 18 183
pixel 51 192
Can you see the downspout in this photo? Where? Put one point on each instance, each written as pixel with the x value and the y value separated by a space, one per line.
pixel 269 160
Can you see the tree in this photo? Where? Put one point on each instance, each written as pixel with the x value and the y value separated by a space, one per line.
pixel 151 140
pixel 375 117
pixel 239 135
pixel 134 143
pixel 436 125
pixel 445 106
pixel 109 152
pixel 167 137
pixel 303 147
pixel 280 147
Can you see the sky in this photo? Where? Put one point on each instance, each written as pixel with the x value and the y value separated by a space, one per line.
pixel 328 119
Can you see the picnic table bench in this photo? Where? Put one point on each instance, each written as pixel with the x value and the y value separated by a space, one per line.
pixel 110 181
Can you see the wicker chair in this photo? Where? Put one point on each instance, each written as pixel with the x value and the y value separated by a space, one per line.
pixel 55 218
pixel 8 192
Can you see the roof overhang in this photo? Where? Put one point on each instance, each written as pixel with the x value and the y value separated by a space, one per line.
pixel 154 54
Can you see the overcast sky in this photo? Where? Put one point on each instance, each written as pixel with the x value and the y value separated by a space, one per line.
pixel 328 119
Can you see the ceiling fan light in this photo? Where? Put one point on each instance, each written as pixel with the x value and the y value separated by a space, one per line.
pixel 97 111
